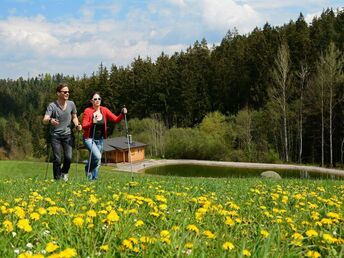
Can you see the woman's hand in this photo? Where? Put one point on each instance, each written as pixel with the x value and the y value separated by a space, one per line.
pixel 94 120
pixel 124 111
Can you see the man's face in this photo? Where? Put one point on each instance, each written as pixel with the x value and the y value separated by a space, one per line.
pixel 64 93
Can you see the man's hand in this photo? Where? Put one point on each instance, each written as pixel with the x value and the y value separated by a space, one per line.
pixel 79 127
pixel 54 121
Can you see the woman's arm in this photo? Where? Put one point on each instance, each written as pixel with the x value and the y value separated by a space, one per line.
pixel 87 119
pixel 112 117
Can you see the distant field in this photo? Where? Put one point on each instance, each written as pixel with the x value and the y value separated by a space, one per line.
pixel 164 216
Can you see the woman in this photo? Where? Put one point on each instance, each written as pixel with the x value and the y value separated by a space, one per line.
pixel 94 123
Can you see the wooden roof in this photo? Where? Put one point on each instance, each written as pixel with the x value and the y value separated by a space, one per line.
pixel 120 143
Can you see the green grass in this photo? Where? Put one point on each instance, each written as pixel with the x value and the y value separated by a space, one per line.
pixel 42 170
pixel 181 217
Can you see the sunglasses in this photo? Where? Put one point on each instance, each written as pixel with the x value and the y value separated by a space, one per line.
pixel 95 99
pixel 65 92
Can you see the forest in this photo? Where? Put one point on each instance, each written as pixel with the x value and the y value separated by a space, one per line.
pixel 273 95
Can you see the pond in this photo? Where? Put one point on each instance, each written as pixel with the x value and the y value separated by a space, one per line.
pixel 191 170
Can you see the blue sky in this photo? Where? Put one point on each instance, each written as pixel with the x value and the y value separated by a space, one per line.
pixel 74 36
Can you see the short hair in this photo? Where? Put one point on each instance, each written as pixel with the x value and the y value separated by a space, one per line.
pixel 61 86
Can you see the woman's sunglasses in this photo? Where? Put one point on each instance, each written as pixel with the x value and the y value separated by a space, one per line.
pixel 95 99
pixel 64 91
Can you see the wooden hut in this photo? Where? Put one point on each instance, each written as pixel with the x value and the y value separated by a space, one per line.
pixel 116 150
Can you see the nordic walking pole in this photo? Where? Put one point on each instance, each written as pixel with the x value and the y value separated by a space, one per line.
pixel 46 169
pixel 77 153
pixel 129 153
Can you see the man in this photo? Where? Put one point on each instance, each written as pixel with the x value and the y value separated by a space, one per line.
pixel 59 115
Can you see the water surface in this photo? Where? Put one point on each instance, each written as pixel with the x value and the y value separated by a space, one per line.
pixel 191 170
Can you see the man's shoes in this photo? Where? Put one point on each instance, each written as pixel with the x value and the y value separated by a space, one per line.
pixel 65 177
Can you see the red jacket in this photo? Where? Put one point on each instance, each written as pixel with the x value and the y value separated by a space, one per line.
pixel 107 114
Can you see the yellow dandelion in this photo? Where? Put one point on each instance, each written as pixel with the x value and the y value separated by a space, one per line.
pixel 188 245
pixel 246 252
pixel 264 233
pixel 42 211
pixel 147 239
pixel 209 234
pixel 29 255
pixel 139 223
pixel 134 240
pixel 326 221
pixel 164 233
pixel 296 242
pixel 228 246
pixel 93 199
pixel 91 213
pixel 161 198
pixel 19 211
pixel 166 240
pixel 8 225
pixel 127 244
pixel 78 221
pixel 52 210
pixel 35 216
pixel 104 248
pixel 229 221
pixel 51 247
pixel 285 199
pixel 313 254
pixel 24 225
pixel 68 253
pixel 176 228
pixel 192 228
pixel 155 214
pixel 328 238
pixel 112 217
pixel 163 206
pixel 311 233
pixel 297 236
pixel 333 215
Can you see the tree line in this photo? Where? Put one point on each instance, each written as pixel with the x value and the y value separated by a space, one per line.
pixel 275 94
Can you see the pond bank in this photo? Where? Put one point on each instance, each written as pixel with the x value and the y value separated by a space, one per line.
pixel 138 167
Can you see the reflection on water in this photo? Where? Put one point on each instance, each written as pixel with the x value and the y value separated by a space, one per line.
pixel 189 170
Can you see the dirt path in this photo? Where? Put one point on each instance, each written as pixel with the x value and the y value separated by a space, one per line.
pixel 148 163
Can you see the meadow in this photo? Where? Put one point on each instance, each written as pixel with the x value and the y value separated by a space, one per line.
pixel 164 216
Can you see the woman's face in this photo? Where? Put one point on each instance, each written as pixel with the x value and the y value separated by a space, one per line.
pixel 96 99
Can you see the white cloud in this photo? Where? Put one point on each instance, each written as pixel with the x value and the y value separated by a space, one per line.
pixel 309 17
pixel 35 45
pixel 228 14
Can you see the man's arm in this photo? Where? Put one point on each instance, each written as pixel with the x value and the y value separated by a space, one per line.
pixel 76 121
pixel 46 119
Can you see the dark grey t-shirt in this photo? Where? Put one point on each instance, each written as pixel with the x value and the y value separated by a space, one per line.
pixel 64 116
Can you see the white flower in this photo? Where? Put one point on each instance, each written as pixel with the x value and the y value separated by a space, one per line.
pixel 16 251
pixel 46 232
pixel 14 234
pixel 29 245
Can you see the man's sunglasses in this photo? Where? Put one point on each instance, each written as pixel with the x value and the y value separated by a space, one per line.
pixel 64 91
pixel 95 99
